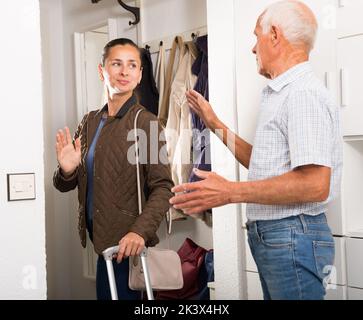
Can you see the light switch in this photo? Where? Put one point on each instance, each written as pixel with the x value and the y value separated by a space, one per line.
pixel 21 186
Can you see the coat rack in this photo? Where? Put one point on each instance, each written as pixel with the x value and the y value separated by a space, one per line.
pixel 134 10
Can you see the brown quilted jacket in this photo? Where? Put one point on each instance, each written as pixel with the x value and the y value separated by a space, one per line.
pixel 115 209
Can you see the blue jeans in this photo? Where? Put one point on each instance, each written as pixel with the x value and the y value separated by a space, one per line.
pixel 121 277
pixel 294 256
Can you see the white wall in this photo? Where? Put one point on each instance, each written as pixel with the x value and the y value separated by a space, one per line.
pixel 162 18
pixel 227 231
pixel 22 227
pixel 57 220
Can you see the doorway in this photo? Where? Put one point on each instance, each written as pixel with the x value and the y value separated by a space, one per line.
pixel 88 51
pixel 90 96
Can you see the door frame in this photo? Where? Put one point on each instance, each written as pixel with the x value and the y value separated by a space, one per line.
pixel 89 256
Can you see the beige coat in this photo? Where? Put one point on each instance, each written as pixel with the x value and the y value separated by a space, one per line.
pixel 179 124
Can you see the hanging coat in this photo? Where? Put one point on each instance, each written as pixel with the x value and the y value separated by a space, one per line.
pixel 176 54
pixel 201 143
pixel 179 125
pixel 147 91
pixel 160 75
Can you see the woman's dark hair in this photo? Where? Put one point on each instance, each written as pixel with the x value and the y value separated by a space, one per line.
pixel 118 42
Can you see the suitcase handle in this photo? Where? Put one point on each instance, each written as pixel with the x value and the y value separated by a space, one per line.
pixel 110 252
pixel 108 255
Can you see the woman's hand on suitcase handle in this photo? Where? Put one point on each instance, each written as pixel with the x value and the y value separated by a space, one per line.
pixel 130 245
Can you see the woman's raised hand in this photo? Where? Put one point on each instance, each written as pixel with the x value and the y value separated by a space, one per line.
pixel 68 155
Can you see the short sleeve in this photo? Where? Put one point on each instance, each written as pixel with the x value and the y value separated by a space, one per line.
pixel 310 129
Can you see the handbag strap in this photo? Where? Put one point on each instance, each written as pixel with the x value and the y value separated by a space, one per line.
pixel 139 201
pixel 137 156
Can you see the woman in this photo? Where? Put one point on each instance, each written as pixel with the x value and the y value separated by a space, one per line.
pixel 96 162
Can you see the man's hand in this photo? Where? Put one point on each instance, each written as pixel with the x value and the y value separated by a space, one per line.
pixel 130 245
pixel 197 197
pixel 202 108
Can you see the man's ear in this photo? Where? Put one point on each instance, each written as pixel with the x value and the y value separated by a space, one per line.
pixel 275 34
pixel 100 72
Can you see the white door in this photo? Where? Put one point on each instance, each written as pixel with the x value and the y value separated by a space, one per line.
pixel 352 188
pixel 90 96
pixel 323 58
pixel 338 275
pixel 337 293
pixel 94 43
pixel 88 51
pixel 350 66
pixel 354 262
pixel 254 286
pixel 355 294
pixel 349 18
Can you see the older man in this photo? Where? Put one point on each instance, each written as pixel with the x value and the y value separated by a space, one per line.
pixel 294 165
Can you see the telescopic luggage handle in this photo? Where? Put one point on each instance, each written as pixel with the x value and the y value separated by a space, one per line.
pixel 108 255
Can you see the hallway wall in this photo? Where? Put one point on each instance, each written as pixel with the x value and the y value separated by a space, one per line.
pixel 22 227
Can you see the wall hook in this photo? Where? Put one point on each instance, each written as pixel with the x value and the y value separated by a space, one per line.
pixel 195 35
pixel 134 10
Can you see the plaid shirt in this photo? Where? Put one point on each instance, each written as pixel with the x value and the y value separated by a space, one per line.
pixel 298 125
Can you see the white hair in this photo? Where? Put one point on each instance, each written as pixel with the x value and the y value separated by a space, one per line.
pixel 295 19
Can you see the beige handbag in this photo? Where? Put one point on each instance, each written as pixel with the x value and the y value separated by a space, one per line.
pixel 164 265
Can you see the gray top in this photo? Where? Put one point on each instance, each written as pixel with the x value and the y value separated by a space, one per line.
pixel 298 125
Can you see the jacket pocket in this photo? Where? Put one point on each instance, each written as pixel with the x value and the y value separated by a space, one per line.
pixel 324 252
pixel 281 238
pixel 125 211
pixel 128 213
pixel 120 220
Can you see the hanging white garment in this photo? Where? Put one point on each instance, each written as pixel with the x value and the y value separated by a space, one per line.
pixel 176 55
pixel 179 131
